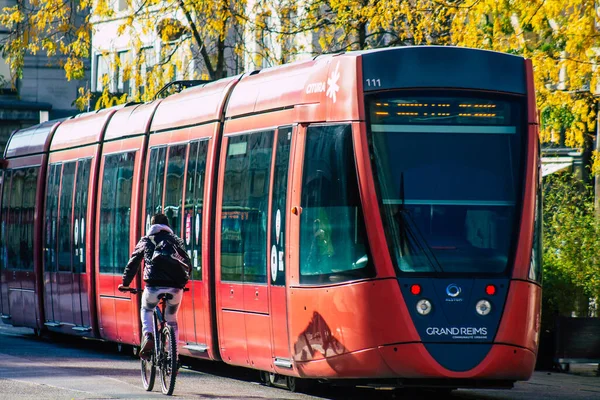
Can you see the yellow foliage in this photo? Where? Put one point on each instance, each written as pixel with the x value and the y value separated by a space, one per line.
pixel 561 37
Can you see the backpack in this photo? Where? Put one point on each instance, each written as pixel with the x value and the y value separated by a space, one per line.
pixel 172 260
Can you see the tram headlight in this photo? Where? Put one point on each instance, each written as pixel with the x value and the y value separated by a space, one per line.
pixel 483 307
pixel 424 307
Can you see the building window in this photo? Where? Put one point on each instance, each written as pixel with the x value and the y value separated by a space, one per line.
pixel 102 70
pixel 121 5
pixel 289 22
pixel 147 62
pixel 263 41
pixel 123 74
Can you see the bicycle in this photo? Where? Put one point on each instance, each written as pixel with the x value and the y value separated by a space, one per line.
pixel 164 358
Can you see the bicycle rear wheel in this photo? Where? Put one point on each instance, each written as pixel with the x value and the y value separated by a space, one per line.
pixel 168 365
pixel 148 373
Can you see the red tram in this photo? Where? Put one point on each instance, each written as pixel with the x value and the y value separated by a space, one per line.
pixel 371 215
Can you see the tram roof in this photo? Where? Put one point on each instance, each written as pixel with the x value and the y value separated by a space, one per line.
pixel 286 86
pixel 82 130
pixel 131 121
pixel 307 83
pixel 196 105
pixel 269 89
pixel 443 67
pixel 31 140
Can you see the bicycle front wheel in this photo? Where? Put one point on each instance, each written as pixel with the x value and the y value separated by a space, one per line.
pixel 168 365
pixel 148 373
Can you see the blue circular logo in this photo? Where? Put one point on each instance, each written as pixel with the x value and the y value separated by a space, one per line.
pixel 453 290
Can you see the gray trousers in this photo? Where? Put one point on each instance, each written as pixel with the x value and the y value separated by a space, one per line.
pixel 149 303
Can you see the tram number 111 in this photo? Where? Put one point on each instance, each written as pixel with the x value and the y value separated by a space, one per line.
pixel 373 82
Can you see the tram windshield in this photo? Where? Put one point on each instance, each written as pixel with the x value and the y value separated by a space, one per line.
pixel 448 174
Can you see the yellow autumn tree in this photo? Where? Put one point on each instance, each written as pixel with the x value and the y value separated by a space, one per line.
pixel 199 33
pixel 343 25
pixel 58 28
pixel 560 36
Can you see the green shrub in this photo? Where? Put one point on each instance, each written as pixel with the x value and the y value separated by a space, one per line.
pixel 571 247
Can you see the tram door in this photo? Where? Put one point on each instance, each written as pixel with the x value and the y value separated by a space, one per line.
pixel 66 288
pixel 10 287
pixel 180 170
pixel 194 303
pixel 52 312
pixel 17 276
pixel 81 284
pixel 18 281
pixel 117 312
pixel 59 279
pixel 4 309
pixel 278 244
pixel 243 245
pixel 26 275
pixel 6 275
pixel 63 298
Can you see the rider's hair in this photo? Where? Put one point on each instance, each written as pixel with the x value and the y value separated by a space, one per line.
pixel 159 219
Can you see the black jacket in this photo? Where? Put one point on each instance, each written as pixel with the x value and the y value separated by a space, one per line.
pixel 154 275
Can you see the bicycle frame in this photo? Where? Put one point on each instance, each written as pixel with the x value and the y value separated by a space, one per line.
pixel 166 363
pixel 159 324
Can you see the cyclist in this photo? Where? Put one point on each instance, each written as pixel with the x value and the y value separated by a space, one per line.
pixel 159 277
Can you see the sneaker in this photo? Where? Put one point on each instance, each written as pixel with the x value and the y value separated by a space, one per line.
pixel 147 346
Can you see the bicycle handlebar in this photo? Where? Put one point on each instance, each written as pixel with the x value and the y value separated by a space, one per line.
pixel 130 289
pixel 136 291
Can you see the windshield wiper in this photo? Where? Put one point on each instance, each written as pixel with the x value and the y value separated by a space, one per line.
pixel 412 240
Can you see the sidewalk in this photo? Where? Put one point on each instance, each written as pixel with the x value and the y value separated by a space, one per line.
pixel 584 370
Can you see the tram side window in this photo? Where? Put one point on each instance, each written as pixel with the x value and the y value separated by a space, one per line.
pixel 535 269
pixel 50 217
pixel 333 242
pixel 115 212
pixel 15 219
pixel 123 209
pixel 18 211
pixel 29 192
pixel 278 212
pixel 156 175
pixel 194 200
pixel 65 218
pixel 174 186
pixel 245 207
pixel 80 215
pixel 107 217
pixel 6 183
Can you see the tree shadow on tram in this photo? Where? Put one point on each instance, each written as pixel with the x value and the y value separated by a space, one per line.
pixel 316 341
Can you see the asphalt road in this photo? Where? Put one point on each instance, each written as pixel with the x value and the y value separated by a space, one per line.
pixel 70 368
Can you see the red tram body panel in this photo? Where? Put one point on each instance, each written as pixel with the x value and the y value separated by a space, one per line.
pixel 69 276
pixel 371 215
pixel 20 283
pixel 117 213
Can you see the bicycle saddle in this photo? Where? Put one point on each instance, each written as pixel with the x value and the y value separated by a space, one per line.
pixel 166 296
